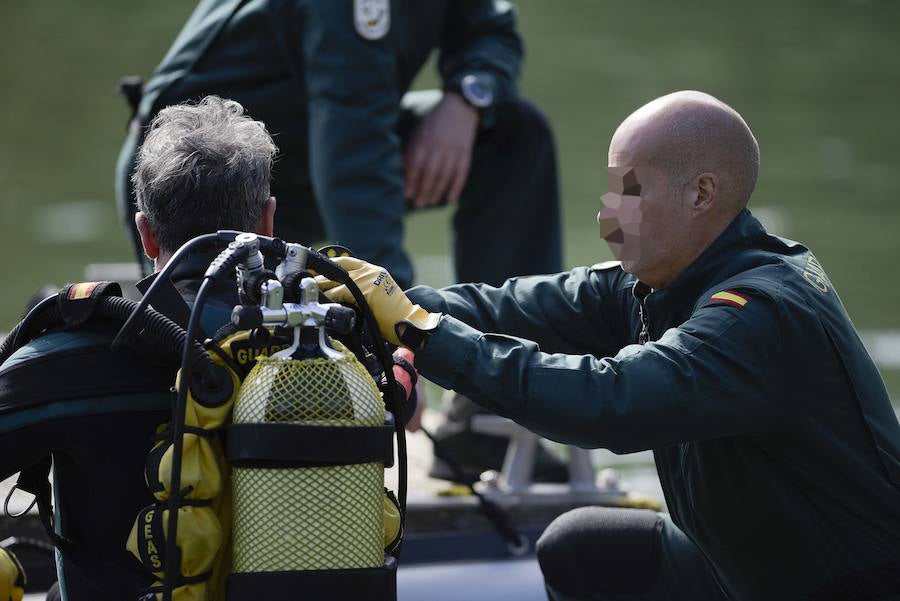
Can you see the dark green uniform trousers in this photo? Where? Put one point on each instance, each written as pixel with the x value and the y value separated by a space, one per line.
pixel 607 554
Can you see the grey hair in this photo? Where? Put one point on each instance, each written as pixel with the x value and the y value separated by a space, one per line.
pixel 203 167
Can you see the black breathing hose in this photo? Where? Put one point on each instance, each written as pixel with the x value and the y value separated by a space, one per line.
pixel 326 268
pixel 132 322
pixel 274 246
pixel 495 514
pixel 157 328
pixel 224 263
pixel 172 567
pixel 38 319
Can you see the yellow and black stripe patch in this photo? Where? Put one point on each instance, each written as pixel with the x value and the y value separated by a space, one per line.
pixel 729 297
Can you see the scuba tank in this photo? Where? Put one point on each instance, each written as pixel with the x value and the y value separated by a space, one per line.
pixel 306 496
pixel 308 445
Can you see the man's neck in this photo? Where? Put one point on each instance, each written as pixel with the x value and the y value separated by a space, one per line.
pixel 160 261
pixel 702 240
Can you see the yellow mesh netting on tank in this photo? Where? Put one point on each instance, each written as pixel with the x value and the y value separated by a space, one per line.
pixel 317 517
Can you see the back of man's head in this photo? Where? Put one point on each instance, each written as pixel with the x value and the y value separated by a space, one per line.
pixel 203 167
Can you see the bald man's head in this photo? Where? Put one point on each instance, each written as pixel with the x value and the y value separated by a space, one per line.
pixel 680 169
pixel 687 133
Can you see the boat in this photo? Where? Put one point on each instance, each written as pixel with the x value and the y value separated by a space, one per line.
pixel 451 550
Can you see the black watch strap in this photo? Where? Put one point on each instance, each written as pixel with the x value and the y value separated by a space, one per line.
pixel 412 337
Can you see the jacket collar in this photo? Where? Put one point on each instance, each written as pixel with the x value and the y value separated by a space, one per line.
pixel 722 259
pixel 188 275
pixel 193 266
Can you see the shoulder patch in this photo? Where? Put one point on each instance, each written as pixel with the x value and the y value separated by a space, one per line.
pixel 729 297
pixel 606 265
pixel 815 275
pixel 372 18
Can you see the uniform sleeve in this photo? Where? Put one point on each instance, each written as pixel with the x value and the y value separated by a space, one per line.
pixel 564 313
pixel 480 38
pixel 715 375
pixel 353 104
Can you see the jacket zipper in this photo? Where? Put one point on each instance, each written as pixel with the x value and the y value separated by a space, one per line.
pixel 644 336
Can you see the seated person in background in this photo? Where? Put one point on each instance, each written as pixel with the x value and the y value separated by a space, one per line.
pixel 329 78
pixel 722 348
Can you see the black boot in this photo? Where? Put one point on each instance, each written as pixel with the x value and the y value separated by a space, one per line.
pixel 475 453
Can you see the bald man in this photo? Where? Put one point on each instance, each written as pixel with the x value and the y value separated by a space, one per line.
pixel 722 348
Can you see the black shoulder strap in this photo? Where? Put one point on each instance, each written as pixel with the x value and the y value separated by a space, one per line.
pixel 35 480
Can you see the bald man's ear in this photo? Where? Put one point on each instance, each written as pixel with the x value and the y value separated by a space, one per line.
pixel 704 193
pixel 266 226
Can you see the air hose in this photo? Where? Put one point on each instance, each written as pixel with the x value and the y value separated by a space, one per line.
pixel 332 271
pixel 516 542
pixel 156 328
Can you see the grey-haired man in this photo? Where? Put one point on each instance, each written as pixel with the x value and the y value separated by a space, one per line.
pixel 202 167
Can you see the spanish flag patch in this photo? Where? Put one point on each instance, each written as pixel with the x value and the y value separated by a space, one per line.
pixel 83 290
pixel 729 297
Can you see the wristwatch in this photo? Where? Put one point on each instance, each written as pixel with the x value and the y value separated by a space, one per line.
pixel 477 91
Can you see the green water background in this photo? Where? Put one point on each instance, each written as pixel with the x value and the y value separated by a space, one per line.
pixel 818 81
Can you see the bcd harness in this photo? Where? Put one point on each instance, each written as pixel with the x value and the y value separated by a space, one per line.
pixel 290 495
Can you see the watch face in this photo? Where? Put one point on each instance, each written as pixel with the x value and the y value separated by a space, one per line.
pixel 476 91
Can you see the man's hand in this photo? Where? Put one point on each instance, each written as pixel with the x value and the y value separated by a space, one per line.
pixel 393 311
pixel 408 378
pixel 437 158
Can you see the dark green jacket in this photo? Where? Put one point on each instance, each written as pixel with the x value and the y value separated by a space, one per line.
pixel 774 437
pixel 302 68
